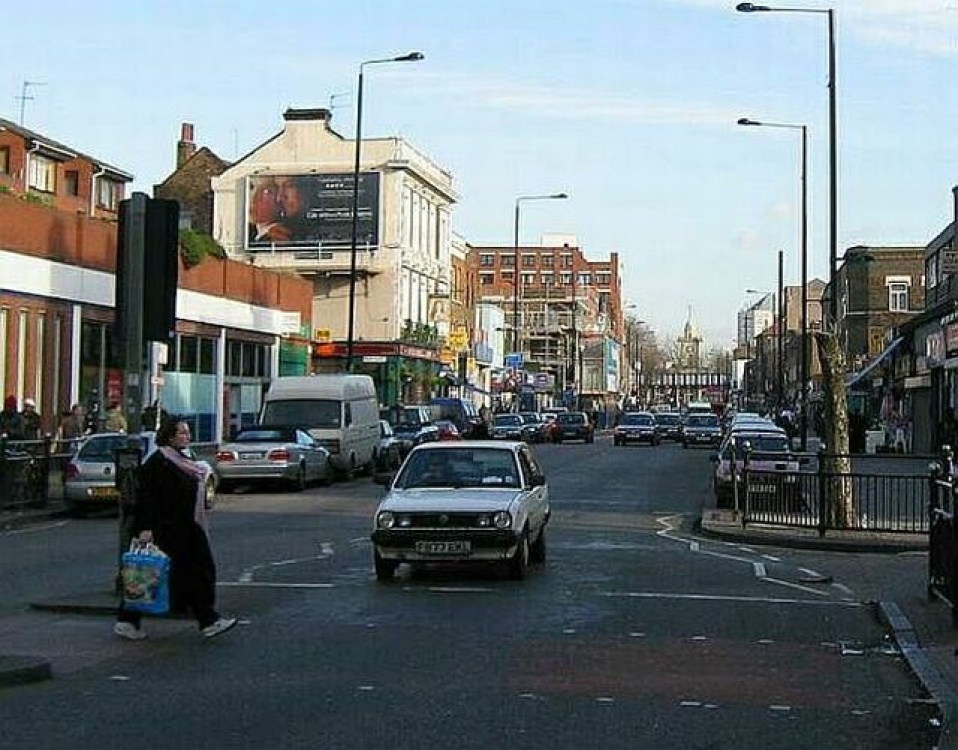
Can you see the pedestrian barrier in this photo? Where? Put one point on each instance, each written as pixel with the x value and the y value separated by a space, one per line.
pixel 885 499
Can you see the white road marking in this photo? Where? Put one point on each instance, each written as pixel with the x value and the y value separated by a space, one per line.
pixel 39 527
pixel 779 708
pixel 797 587
pixel 453 589
pixel 772 558
pixel 810 572
pixel 264 585
pixel 247 575
pixel 759 569
pixel 843 588
pixel 723 598
pixel 691 704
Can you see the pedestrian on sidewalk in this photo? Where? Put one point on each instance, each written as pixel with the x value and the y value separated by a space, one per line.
pixel 170 512
pixel 11 421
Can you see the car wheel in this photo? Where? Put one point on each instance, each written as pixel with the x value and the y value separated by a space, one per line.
pixel 299 484
pixel 537 552
pixel 385 569
pixel 209 494
pixel 519 563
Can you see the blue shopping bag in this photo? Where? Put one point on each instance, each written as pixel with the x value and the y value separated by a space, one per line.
pixel 145 572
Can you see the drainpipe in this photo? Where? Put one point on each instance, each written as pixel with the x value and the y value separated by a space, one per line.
pixel 99 173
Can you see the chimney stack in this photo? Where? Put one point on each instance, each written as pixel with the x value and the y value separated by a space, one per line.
pixel 185 148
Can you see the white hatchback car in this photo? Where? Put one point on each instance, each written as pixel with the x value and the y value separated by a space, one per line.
pixel 464 502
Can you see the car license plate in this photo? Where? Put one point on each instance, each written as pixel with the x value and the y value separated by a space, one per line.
pixel 250 456
pixel 763 487
pixel 458 547
pixel 103 493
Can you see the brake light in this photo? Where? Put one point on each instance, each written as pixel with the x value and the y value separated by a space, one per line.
pixel 278 454
pixel 72 471
pixel 225 456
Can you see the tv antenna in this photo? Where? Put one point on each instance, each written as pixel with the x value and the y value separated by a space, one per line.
pixel 334 97
pixel 25 96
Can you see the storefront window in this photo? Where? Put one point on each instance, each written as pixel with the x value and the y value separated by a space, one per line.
pixel 207 356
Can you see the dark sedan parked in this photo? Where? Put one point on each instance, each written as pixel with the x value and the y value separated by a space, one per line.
pixel 636 427
pixel 574 425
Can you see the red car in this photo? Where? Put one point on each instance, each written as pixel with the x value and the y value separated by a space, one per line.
pixel 447 430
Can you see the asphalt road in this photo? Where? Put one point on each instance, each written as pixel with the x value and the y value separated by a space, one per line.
pixel 636 633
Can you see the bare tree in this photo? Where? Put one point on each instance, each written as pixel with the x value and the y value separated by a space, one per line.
pixel 836 464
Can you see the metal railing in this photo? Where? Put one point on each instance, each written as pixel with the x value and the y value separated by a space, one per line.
pixel 942 536
pixel 890 498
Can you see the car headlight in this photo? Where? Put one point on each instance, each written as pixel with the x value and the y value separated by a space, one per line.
pixel 502 519
pixel 385 520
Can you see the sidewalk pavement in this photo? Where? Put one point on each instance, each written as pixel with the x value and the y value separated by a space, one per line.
pixel 923 629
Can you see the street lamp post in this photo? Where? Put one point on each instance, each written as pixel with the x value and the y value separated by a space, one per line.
pixel 351 329
pixel 516 340
pixel 804 241
pixel 832 146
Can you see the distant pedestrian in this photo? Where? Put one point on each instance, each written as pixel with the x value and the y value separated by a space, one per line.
pixel 115 421
pixel 170 511
pixel 72 428
pixel 32 423
pixel 11 421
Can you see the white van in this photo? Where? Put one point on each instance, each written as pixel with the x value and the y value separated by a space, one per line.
pixel 340 411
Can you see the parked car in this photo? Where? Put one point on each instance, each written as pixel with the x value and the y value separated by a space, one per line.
pixel 466 502
pixel 508 426
pixel 268 453
pixel 540 430
pixel 701 429
pixel 89 480
pixel 462 413
pixel 415 426
pixel 552 425
pixel 669 425
pixel 773 468
pixel 636 427
pixel 389 453
pixel 447 430
pixel 574 425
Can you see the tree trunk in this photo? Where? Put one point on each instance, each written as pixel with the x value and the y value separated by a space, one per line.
pixel 836 466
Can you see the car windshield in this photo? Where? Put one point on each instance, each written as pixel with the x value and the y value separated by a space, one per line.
pixel 668 419
pixel 412 418
pixel 642 420
pixel 263 436
pixel 530 418
pixel 703 421
pixel 100 449
pixel 309 412
pixel 459 467
pixel 571 418
pixel 507 419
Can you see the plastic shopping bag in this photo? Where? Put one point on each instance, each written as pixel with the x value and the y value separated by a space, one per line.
pixel 145 572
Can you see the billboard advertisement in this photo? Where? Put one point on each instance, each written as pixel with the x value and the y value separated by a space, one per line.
pixel 310 210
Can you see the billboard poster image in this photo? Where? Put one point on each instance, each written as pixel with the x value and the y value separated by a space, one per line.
pixel 311 210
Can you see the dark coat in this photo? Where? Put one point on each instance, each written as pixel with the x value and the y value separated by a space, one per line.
pixel 165 505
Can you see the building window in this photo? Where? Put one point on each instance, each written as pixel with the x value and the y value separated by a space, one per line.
pixel 487 260
pixel 107 194
pixel 508 261
pixel 43 174
pixel 548 278
pixel 528 279
pixel 565 279
pixel 528 261
pixel 548 261
pixel 507 276
pixel 4 160
pixel 585 279
pixel 898 296
pixel 567 260
pixel 71 182
pixel 602 279
pixel 486 279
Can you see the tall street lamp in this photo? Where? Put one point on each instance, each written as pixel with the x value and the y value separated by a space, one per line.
pixel 517 271
pixel 832 143
pixel 804 235
pixel 350 335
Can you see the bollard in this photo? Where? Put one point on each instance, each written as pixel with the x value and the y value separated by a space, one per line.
pixel 745 481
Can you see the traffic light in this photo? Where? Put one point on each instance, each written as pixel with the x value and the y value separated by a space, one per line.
pixel 147 266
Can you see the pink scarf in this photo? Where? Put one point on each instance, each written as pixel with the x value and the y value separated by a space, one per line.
pixel 194 471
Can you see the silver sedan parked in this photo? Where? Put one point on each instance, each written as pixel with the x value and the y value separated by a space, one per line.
pixel 267 454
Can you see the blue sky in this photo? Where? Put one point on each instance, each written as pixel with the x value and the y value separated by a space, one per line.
pixel 628 105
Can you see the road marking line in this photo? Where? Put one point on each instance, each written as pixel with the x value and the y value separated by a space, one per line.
pixel 798 587
pixel 247 575
pixel 264 585
pixel 40 527
pixel 727 598
pixel 451 589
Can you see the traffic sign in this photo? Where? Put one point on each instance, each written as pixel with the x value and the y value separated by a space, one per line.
pixel 514 361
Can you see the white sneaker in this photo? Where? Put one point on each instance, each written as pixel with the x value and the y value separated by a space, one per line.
pixel 129 631
pixel 220 626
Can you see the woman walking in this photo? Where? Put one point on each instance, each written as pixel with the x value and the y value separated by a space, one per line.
pixel 170 512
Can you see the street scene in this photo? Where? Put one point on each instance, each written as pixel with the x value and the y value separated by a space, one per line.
pixel 541 375
pixel 637 630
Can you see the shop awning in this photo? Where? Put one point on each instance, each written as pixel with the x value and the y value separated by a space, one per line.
pixel 855 378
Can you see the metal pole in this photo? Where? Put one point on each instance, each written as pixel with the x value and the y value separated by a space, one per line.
pixel 351 329
pixel 515 284
pixel 804 362
pixel 780 386
pixel 832 172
